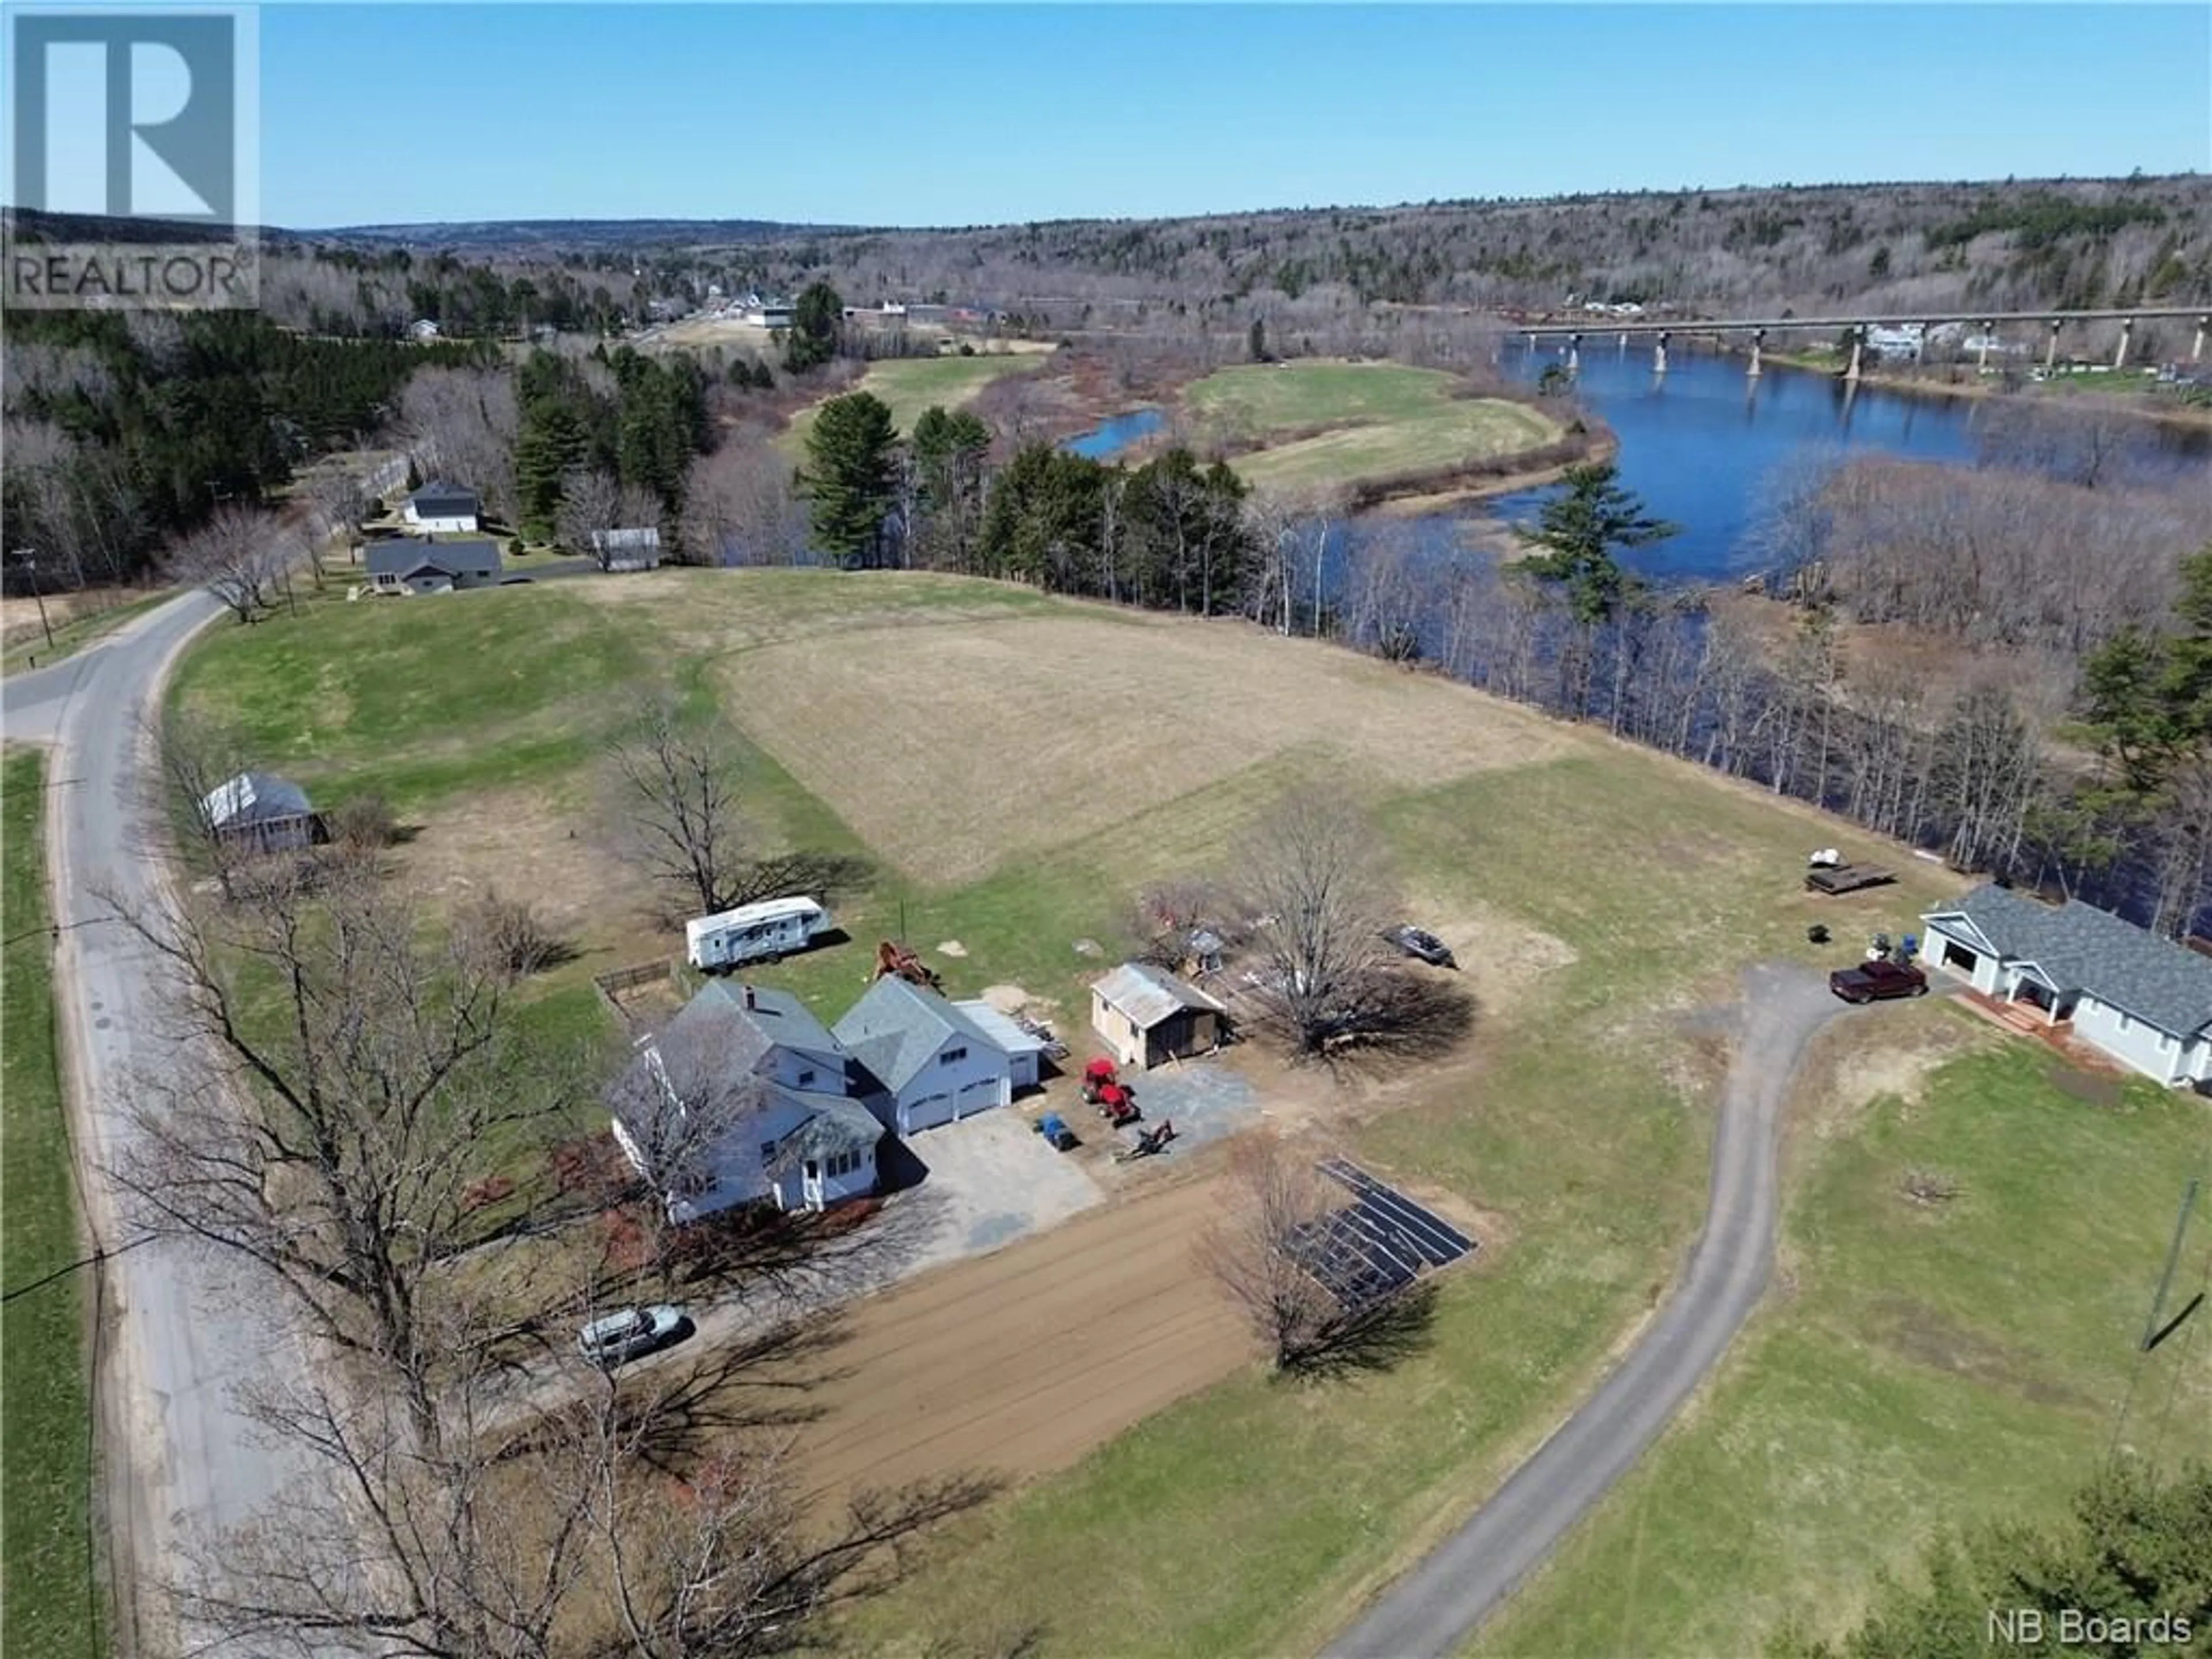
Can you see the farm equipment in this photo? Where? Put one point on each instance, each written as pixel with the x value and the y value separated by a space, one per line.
pixel 1102 1087
pixel 1147 1142
pixel 1053 1048
pixel 901 960
pixel 1057 1134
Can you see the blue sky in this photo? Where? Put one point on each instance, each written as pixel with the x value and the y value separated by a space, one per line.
pixel 913 115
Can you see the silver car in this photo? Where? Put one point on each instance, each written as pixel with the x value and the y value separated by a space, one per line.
pixel 633 1332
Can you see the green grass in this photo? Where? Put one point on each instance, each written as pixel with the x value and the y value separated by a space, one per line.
pixel 1925 1367
pixel 911 385
pixel 52 1598
pixel 1585 1131
pixel 1386 419
pixel 73 635
pixel 420 698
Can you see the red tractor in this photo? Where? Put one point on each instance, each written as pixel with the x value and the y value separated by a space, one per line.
pixel 1102 1087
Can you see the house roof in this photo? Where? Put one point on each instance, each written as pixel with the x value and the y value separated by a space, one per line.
pixel 897 1027
pixel 838 1125
pixel 403 556
pixel 716 1044
pixel 2082 948
pixel 1149 995
pixel 778 1018
pixel 254 797
pixel 645 538
pixel 440 499
pixel 1002 1030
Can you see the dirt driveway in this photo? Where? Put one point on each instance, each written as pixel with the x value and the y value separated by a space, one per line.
pixel 1021 1361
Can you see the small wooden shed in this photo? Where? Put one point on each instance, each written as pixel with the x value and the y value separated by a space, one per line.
pixel 1148 1015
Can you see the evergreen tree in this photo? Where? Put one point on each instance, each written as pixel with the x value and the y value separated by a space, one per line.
pixel 852 476
pixel 1577 534
pixel 815 322
pixel 551 443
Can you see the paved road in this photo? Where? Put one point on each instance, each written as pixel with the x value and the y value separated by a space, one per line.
pixel 1431 1611
pixel 173 1333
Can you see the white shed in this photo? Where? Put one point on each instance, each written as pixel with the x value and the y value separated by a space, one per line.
pixel 1023 1049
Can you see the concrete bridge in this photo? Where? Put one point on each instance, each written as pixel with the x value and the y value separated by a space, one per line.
pixel 1858 326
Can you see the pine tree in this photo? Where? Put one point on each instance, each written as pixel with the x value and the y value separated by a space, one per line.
pixel 852 476
pixel 815 321
pixel 1577 533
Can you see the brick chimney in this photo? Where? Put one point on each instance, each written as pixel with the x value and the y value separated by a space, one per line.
pixel 749 998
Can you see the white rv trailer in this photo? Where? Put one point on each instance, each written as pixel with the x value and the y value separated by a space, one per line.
pixel 754 932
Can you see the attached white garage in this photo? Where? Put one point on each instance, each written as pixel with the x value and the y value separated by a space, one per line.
pixel 1023 1049
pixel 926 1113
pixel 931 1062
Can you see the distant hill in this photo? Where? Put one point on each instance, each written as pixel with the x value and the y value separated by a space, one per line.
pixel 491 236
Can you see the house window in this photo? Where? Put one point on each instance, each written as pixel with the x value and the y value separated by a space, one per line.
pixel 951 1056
pixel 806 1080
pixel 813 1170
pixel 768 1151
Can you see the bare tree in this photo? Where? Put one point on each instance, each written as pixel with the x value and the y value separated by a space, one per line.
pixel 198 757
pixel 739 506
pixel 338 1089
pixel 1316 884
pixel 590 505
pixel 240 555
pixel 1268 1251
pixel 676 784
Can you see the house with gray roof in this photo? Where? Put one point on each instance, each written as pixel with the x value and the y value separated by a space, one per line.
pixel 745 1095
pixel 259 810
pixel 401 564
pixel 926 1060
pixel 2144 1000
pixel 441 505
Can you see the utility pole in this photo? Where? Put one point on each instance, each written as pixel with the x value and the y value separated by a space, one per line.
pixel 30 562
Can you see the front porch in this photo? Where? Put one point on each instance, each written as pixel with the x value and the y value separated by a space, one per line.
pixel 2027 1019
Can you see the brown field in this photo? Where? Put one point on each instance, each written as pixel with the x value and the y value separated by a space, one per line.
pixel 1018 1362
pixel 1058 743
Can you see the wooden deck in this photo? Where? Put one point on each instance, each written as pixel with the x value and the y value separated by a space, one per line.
pixel 2027 1020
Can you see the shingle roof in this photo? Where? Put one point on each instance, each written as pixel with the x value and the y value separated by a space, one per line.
pixel 2085 949
pixel 838 1125
pixel 254 797
pixel 711 1049
pixel 1149 995
pixel 896 1029
pixel 440 499
pixel 402 555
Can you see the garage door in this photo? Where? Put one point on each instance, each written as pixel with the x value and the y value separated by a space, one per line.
pixel 978 1097
pixel 925 1113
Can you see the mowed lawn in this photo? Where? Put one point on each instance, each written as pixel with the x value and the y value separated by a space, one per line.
pixel 1384 419
pixel 1919 1365
pixel 52 1600
pixel 913 385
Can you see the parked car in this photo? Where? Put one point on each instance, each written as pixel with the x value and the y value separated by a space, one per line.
pixel 631 1333
pixel 1421 943
pixel 1877 982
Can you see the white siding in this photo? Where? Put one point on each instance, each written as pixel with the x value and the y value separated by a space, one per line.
pixel 455 526
pixel 1986 967
pixel 803 1068
pixel 954 1082
pixel 2129 1041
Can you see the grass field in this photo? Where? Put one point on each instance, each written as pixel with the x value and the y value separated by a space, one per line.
pixel 52 1601
pixel 911 385
pixel 1019 766
pixel 1945 1364
pixel 1384 419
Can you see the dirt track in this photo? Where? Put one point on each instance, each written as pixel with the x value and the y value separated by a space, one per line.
pixel 1020 1362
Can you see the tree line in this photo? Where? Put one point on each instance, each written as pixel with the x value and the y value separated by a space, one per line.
pixel 124 432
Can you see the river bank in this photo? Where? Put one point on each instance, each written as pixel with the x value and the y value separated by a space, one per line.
pixel 2055 394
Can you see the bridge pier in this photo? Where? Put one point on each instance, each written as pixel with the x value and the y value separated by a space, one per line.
pixel 1574 354
pixel 2197 346
pixel 2050 350
pixel 1982 356
pixel 2127 334
pixel 1758 339
pixel 1858 343
pixel 1659 355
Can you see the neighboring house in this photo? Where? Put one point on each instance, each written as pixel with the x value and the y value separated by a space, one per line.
pixel 627 550
pixel 443 506
pixel 744 1095
pixel 933 1063
pixel 421 329
pixel 1148 1015
pixel 403 565
pixel 260 811
pixel 766 313
pixel 2144 1000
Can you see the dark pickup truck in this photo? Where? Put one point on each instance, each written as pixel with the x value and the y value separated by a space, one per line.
pixel 1877 982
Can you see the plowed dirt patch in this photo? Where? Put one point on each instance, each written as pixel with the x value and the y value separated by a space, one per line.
pixel 1020 1362
pixel 1003 738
